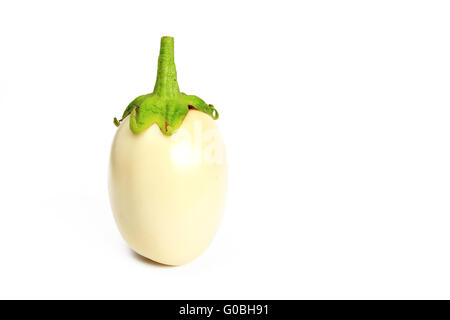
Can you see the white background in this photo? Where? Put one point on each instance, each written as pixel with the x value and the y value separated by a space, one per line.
pixel 336 117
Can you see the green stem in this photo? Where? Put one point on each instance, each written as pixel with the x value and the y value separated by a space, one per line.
pixel 166 80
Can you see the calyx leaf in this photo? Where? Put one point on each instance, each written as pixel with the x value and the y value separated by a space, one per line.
pixel 166 106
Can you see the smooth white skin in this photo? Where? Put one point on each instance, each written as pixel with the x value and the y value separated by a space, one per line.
pixel 168 193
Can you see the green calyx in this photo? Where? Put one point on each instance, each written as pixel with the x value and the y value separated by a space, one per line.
pixel 166 106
